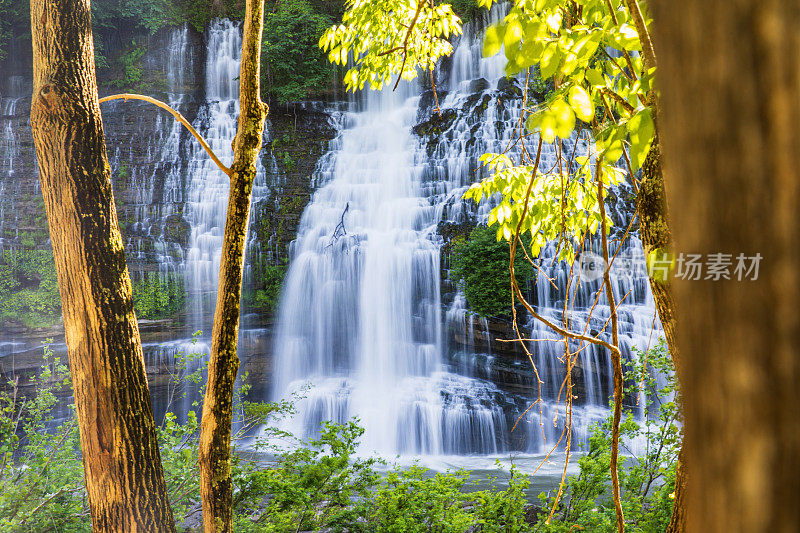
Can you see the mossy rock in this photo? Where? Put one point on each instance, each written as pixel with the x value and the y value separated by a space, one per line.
pixel 178 230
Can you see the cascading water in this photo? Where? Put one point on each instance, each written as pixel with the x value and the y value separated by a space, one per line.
pixel 363 325
pixel 9 151
pixel 192 176
pixel 366 317
pixel 207 192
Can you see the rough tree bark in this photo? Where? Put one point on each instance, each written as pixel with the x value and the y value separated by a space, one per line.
pixel 654 230
pixel 730 83
pixel 215 432
pixel 121 460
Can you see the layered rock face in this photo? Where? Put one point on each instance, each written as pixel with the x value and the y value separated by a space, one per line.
pixel 162 188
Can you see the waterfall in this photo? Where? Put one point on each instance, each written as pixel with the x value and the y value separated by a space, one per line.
pixel 363 324
pixel 207 191
pixel 9 150
pixel 369 325
pixel 199 188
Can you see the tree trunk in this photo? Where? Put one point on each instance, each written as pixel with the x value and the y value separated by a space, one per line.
pixel 655 234
pixel 730 83
pixel 121 460
pixel 215 432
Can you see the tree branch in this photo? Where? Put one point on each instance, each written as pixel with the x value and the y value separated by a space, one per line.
pixel 178 117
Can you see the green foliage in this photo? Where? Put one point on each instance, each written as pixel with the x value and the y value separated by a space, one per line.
pixel 156 297
pixel 130 64
pixel 593 55
pixel 199 13
pixel 29 287
pixel 386 39
pixel 416 500
pixel 480 266
pixel 15 22
pixel 316 485
pixel 558 209
pixel 647 479
pixel 466 10
pixel 149 15
pixel 5 30
pixel 313 486
pixel 41 476
pixel 293 66
pixel 127 16
pixel 265 293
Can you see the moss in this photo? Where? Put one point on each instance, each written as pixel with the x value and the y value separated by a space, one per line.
pixel 178 230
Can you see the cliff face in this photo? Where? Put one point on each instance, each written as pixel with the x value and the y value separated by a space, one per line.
pixel 155 174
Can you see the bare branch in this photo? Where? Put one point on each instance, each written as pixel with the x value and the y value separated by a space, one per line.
pixel 178 117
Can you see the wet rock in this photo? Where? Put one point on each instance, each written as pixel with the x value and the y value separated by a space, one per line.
pixel 436 124
pixel 478 86
pixel 177 230
pixel 427 101
pixel 431 129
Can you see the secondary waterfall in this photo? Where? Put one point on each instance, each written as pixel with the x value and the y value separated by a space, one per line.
pixel 363 322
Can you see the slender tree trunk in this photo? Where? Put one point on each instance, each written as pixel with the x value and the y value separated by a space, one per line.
pixel 654 230
pixel 616 355
pixel 215 432
pixel 121 459
pixel 730 83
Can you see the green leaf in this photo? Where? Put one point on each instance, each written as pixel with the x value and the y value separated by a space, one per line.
pixel 511 38
pixel 595 77
pixel 581 103
pixel 551 57
pixel 565 118
pixel 641 130
pixel 493 40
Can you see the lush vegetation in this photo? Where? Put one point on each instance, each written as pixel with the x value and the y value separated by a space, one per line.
pixel 293 66
pixel 5 29
pixel 479 265
pixel 593 92
pixel 28 287
pixel 647 479
pixel 264 294
pixel 388 41
pixel 283 484
pixel 156 296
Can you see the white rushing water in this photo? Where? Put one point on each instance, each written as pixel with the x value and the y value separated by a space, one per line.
pixel 207 191
pixel 362 323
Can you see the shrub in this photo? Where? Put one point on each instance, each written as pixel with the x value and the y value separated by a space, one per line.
pixel 647 476
pixel 41 476
pixel 294 66
pixel 264 295
pixel 156 297
pixel 323 484
pixel 479 265
pixel 29 287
